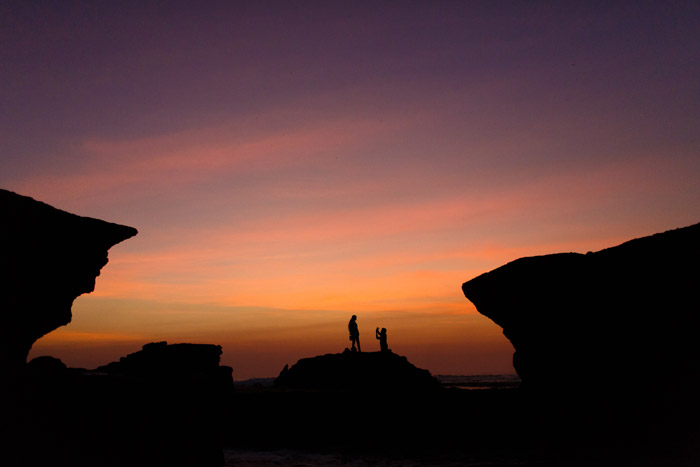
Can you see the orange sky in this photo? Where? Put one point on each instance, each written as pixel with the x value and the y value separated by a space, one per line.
pixel 286 170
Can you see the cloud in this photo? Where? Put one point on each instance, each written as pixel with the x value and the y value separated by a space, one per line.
pixel 172 162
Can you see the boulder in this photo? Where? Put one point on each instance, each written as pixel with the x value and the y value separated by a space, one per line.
pixel 620 320
pixel 173 364
pixel 367 371
pixel 163 405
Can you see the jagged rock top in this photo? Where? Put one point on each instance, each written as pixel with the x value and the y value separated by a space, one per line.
pixel 159 359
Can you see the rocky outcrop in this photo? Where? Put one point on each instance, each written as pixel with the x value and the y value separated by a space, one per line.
pixel 159 406
pixel 163 405
pixel 173 364
pixel 620 319
pixel 366 371
pixel 48 258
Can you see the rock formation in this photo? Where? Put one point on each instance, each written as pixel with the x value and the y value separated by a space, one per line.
pixel 620 319
pixel 169 364
pixel 49 257
pixel 159 406
pixel 366 371
pixel 163 405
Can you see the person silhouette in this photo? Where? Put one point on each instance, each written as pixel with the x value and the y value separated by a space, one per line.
pixel 354 333
pixel 383 346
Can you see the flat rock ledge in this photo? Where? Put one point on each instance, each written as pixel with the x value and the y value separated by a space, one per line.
pixel 364 371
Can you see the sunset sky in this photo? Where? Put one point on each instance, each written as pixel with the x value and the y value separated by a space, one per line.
pixel 289 164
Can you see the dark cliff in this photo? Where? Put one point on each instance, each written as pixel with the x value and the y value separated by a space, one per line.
pixel 158 406
pixel 49 257
pixel 621 319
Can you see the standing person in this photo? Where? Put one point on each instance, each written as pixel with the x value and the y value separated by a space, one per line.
pixel 354 333
pixel 383 346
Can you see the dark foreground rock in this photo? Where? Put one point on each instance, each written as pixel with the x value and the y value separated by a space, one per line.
pixel 48 257
pixel 367 371
pixel 160 406
pixel 615 329
pixel 445 427
pixel 163 405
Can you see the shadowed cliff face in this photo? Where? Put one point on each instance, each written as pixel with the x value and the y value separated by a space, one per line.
pixel 620 318
pixel 48 258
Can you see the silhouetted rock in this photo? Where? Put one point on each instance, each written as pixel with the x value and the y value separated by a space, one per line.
pixel 46 366
pixel 622 320
pixel 366 371
pixel 174 363
pixel 48 257
pixel 162 405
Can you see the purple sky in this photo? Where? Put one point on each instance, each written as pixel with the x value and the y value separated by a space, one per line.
pixel 290 163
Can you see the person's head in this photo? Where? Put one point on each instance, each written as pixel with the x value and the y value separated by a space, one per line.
pixel 383 331
pixel 353 318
